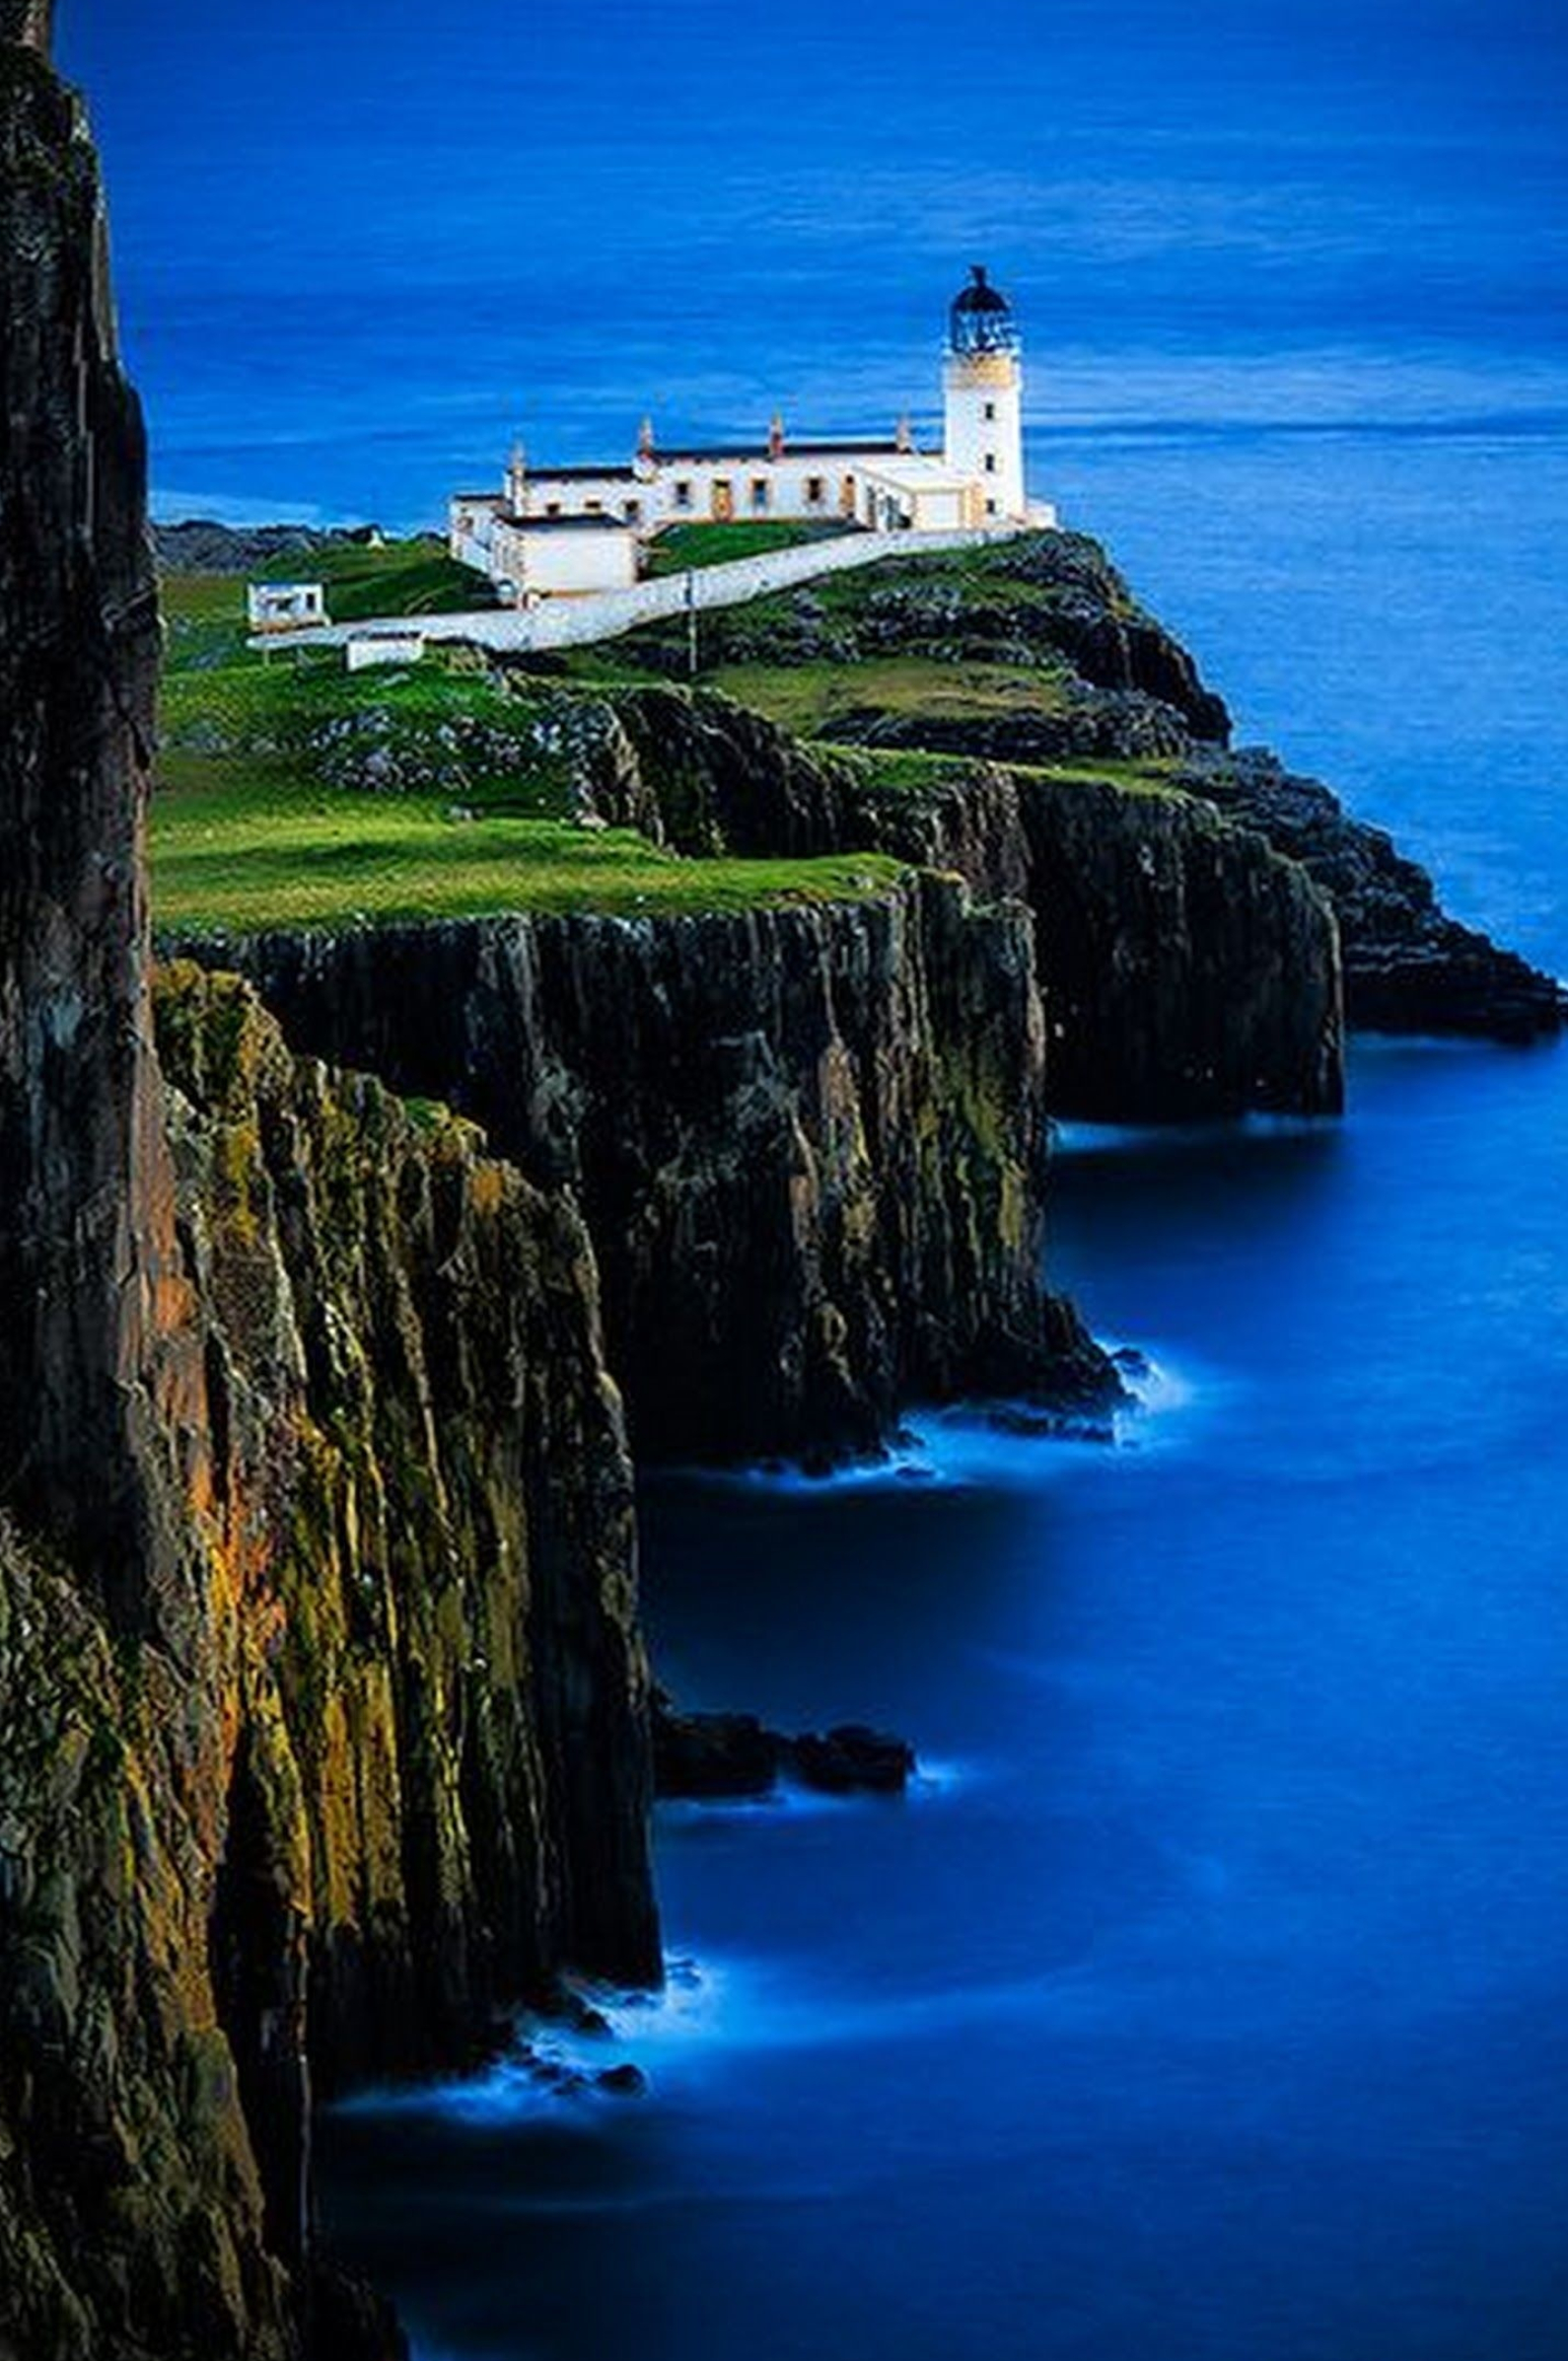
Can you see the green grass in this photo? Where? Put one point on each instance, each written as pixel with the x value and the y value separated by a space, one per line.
pixel 679 546
pixel 294 694
pixel 912 770
pixel 809 698
pixel 413 577
pixel 205 614
pixel 204 620
pixel 240 845
pixel 1153 776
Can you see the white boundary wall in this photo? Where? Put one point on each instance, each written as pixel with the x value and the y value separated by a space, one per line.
pixel 604 614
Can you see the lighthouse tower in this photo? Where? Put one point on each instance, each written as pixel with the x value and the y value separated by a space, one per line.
pixel 983 385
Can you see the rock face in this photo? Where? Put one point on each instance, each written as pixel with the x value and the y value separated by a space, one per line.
pixel 1188 969
pixel 404 1779
pixel 1075 672
pixel 322 1702
pixel 99 1371
pixel 806 1141
pixel 422 1473
pixel 1408 966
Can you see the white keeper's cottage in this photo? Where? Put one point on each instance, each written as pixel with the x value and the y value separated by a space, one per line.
pixel 563 530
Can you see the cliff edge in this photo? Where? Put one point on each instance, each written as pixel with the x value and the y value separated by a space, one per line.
pixel 323 1704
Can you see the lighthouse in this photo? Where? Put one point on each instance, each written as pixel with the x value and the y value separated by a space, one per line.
pixel 982 389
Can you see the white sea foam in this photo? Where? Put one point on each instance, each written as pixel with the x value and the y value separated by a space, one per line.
pixel 708 2014
pixel 1000 1443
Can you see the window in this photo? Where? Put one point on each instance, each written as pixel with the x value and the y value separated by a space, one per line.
pixel 552 508
pixel 683 491
pixel 759 492
pixel 815 491
pixel 991 409
pixel 632 511
pixel 990 466
pixel 594 508
pixel 990 508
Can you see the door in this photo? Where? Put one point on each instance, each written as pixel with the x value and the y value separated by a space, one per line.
pixel 723 500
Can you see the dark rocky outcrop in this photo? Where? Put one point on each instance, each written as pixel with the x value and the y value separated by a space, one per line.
pixel 1409 967
pixel 422 1483
pixel 717 1757
pixel 806 1141
pixel 1187 968
pixel 99 1371
pixel 322 1702
pixel 202 546
pixel 1115 724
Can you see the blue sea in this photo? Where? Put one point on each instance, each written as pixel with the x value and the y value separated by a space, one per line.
pixel 1207 2000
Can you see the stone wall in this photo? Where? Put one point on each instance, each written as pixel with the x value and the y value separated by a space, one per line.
pixel 605 615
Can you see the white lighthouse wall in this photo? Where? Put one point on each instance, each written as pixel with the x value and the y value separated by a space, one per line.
pixel 985 419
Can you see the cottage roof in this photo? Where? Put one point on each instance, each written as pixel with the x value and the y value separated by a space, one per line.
pixel 600 475
pixel 752 453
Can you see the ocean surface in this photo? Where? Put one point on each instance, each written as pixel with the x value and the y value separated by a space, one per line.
pixel 1208 1998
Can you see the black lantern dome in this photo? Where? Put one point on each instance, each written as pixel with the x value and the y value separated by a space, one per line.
pixel 981 319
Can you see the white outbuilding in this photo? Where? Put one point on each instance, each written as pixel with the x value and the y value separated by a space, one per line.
pixel 364 651
pixel 285 606
pixel 556 557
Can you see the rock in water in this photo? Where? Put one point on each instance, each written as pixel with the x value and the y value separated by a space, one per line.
pixel 851 1759
pixel 706 1757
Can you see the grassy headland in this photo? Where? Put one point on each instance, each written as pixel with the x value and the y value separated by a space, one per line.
pixel 291 793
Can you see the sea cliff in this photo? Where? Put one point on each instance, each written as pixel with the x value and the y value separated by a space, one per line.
pixel 1035 658
pixel 1188 966
pixel 323 1707
pixel 806 1142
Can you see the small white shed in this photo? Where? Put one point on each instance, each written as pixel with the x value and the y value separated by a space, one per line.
pixel 285 606
pixel 365 649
